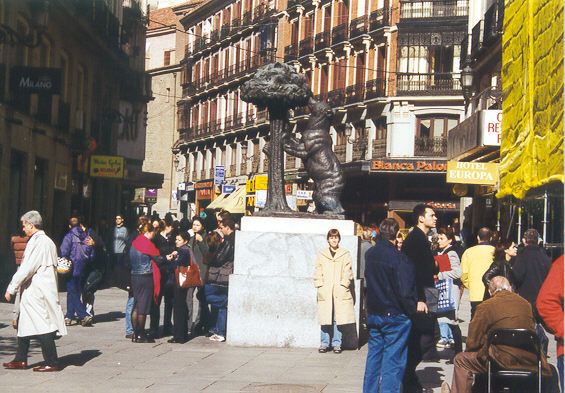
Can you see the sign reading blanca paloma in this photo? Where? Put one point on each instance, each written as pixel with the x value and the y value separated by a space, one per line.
pixel 485 173
pixel 408 166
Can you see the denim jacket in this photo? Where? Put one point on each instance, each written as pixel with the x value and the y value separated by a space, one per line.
pixel 140 263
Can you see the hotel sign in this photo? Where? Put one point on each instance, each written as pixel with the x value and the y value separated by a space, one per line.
pixel 485 173
pixel 408 166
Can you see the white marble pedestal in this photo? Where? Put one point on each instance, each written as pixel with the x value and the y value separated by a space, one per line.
pixel 272 299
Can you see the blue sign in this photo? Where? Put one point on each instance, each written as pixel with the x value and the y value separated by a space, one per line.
pixel 228 189
pixel 219 175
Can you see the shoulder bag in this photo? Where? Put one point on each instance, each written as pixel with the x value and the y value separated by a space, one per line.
pixel 188 276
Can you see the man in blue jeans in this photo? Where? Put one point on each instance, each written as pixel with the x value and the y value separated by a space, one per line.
pixel 391 297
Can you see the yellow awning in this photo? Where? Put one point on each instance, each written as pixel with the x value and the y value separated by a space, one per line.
pixel 531 148
pixel 234 202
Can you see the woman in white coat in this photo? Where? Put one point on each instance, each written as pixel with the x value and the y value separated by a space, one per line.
pixel 332 278
pixel 41 315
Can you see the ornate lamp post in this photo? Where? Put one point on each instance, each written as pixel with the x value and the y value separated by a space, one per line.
pixel 467 81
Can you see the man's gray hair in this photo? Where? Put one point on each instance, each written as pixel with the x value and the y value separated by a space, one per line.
pixel 34 218
pixel 499 283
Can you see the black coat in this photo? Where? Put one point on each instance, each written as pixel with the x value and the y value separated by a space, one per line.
pixel 530 269
pixel 221 265
pixel 499 267
pixel 418 249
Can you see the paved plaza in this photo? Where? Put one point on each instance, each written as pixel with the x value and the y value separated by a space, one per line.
pixel 99 359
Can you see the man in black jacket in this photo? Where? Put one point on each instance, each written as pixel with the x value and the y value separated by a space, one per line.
pixel 530 270
pixel 391 298
pixel 418 249
pixel 216 287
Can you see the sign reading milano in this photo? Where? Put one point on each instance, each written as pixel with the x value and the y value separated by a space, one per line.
pixel 35 80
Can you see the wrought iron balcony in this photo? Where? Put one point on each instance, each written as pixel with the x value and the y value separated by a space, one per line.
pixel 430 147
pixel 306 46
pixel 355 93
pixel 339 34
pixel 336 98
pixel 375 88
pixel 428 84
pixel 434 9
pixel 235 24
pixel 379 18
pixel 290 52
pixel 225 31
pixel 358 27
pixel 246 18
pixel 322 40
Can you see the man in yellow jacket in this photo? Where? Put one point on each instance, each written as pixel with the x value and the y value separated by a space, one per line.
pixel 474 263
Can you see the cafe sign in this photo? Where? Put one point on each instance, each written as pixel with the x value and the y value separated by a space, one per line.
pixel 111 167
pixel 485 173
pixel 408 166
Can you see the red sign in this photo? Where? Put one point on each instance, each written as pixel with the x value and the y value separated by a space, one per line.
pixel 205 184
pixel 204 193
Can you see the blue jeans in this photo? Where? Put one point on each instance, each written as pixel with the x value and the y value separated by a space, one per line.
pixel 445 330
pixel 74 305
pixel 327 330
pixel 217 297
pixel 388 350
pixel 129 309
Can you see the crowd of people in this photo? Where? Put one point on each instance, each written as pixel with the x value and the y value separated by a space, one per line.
pixel 413 289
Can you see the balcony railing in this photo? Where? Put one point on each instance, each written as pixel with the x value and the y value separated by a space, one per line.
pixel 358 27
pixel 322 40
pixel 339 34
pixel 355 93
pixel 290 52
pixel 378 19
pixel 336 98
pixel 375 88
pixel 225 31
pixel 306 46
pixel 246 18
pixel 433 9
pixel 430 147
pixel 428 84
pixel 235 23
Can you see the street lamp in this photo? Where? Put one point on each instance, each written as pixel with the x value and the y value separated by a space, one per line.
pixel 39 17
pixel 348 133
pixel 467 81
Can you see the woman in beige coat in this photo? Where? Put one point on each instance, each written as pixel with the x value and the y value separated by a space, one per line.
pixel 332 278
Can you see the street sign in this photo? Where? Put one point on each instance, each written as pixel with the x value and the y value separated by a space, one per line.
pixel 228 189
pixel 150 195
pixel 219 174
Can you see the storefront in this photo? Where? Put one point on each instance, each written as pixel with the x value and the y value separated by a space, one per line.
pixel 204 195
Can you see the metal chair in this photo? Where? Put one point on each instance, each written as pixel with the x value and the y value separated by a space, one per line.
pixel 519 338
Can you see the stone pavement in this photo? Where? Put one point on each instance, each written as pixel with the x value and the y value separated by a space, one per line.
pixel 100 359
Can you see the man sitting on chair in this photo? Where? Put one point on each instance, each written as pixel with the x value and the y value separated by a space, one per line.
pixel 504 309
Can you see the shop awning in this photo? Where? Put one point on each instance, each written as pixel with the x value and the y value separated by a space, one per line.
pixel 234 202
pixel 532 81
pixel 143 179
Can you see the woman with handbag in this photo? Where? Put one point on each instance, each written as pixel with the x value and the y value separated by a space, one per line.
pixel 195 300
pixel 144 258
pixel 447 319
pixel 185 270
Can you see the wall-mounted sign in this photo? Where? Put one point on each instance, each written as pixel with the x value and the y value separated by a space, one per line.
pixel 228 189
pixel 261 182
pixel 219 174
pixel 150 195
pixel 472 172
pixel 107 166
pixel 205 193
pixel 303 194
pixel 35 80
pixel 491 125
pixel 408 206
pixel 409 166
pixel 203 184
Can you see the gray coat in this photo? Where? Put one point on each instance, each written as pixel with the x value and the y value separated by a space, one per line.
pixel 199 249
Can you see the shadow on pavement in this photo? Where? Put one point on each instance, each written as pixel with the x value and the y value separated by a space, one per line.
pixel 431 376
pixel 79 359
pixel 108 317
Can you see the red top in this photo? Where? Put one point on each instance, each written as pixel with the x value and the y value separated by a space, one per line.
pixel 550 302
pixel 19 244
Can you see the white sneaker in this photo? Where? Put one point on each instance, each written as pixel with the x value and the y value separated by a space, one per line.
pixel 217 337
pixel 442 344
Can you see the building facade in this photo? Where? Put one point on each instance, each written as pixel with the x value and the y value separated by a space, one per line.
pixel 165 47
pixel 72 87
pixel 389 69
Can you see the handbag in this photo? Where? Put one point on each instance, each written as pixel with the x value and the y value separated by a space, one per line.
pixel 446 301
pixel 64 265
pixel 188 276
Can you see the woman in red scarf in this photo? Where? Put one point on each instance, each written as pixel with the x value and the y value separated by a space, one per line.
pixel 145 258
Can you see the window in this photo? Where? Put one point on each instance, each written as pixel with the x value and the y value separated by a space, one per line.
pixel 435 126
pixel 167 58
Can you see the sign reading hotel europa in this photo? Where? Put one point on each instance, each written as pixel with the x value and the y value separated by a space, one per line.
pixel 485 173
pixel 409 166
pixel 107 166
pixel 35 80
